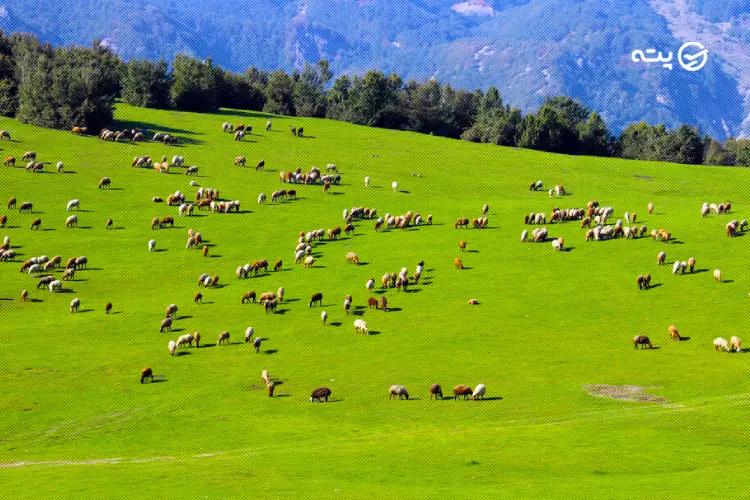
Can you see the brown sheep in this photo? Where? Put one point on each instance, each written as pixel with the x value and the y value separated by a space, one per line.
pixel 240 161
pixel 198 299
pixel 26 206
pixel 691 264
pixel 674 333
pixel 3 220
pixel 166 324
pixel 10 161
pixel 107 307
pixel 167 220
pixel 147 373
pixel 105 183
pixel 352 258
pixel 110 224
pixel 383 303
pixel 266 296
pixel 223 338
pixel 320 394
pixel 462 390
pixel 205 250
pixel 316 298
pixel 643 341
pixel 249 296
pixel 473 302
pixel 436 391
pixel 462 245
pixel 270 305
pixel 261 165
pixel 277 266
pixel 462 222
pixel 458 263
pixel 197 339
pixel 155 223
pixel 258 265
pixel 372 301
pixel 36 223
pixel 25 295
pixel 215 281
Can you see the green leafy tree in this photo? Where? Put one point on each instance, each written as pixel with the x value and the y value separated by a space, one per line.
pixel 146 84
pixel 280 94
pixel 195 84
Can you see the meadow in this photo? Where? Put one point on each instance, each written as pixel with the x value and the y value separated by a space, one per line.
pixel 76 422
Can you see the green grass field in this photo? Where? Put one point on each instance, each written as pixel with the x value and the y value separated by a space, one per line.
pixel 76 423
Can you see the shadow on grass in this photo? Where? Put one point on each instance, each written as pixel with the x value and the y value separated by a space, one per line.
pixel 270 351
pixel 183 353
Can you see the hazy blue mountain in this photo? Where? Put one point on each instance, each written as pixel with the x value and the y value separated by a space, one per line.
pixel 527 48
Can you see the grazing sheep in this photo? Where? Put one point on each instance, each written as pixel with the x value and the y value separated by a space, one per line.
pixel 721 344
pixel 352 258
pixel 676 267
pixel 166 324
pixel 316 298
pixel 360 327
pixel 25 295
pixel 249 296
pixel 558 244
pixel 691 264
pixel 661 257
pixel 69 274
pixel 74 204
pixel 110 224
pixel 436 391
pixel 650 207
pixel 270 305
pixel 309 261
pixel 36 223
pixel 71 221
pixel 277 266
pixel 458 263
pixel 641 340
pixel 347 304
pixel 398 390
pixel 479 392
pixel 265 376
pixel 172 347
pixel 367 181
pixel 674 333
pixel 107 307
pixel 384 303
pixel 735 344
pixel 268 126
pixel 324 317
pixel 151 245
pixel 717 275
pixel 147 373
pixel 462 390
pixel 55 285
pixel 74 305
pixel 320 394
pixel 372 301
pixel 473 302
pixel 186 339
pixel 171 309
pixel 249 334
pixel 105 182
pixel 394 185
pixel 223 337
pixel 370 285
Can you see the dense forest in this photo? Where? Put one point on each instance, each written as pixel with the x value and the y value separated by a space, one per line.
pixel 77 86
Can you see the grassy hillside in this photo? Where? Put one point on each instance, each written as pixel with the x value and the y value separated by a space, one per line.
pixel 76 422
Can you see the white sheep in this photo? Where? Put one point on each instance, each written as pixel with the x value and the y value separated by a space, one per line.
pixel 676 267
pixel 705 210
pixel 735 343
pixel 551 193
pixel 557 244
pixel 55 285
pixel 367 181
pixel 479 391
pixel 721 344
pixel 324 317
pixel 346 213
pixel 74 305
pixel 627 217
pixel 60 166
pixel 172 347
pixel 717 275
pixel 186 339
pixel 35 268
pixel 74 203
pixel 298 256
pixel 265 376
pixel 151 245
pixel 394 185
pixel 360 326
pixel 280 294
pixel 249 333
pixel 398 390
pixel 193 183
pixel 370 285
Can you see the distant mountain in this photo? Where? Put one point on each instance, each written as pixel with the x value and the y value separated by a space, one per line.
pixel 527 48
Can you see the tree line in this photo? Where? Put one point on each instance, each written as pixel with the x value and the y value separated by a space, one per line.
pixel 64 87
